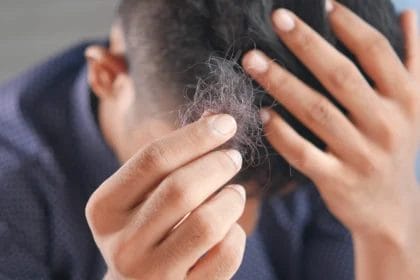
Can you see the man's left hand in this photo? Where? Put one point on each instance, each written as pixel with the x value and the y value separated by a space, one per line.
pixel 366 176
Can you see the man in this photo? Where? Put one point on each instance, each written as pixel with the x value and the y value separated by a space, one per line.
pixel 60 141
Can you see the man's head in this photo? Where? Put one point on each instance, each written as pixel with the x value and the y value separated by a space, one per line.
pixel 172 60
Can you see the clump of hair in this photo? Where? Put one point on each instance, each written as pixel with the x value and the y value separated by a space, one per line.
pixel 227 89
pixel 194 48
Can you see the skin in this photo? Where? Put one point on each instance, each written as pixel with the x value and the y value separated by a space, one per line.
pixel 151 221
pixel 366 176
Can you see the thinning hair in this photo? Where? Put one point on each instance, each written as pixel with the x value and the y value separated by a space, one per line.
pixel 195 47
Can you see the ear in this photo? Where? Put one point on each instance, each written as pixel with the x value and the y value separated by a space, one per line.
pixel 103 70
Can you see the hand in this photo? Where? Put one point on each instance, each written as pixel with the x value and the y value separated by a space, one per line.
pixel 157 217
pixel 366 176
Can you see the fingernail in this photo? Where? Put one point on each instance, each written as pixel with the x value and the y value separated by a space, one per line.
pixel 283 20
pixel 257 62
pixel 329 6
pixel 240 190
pixel 265 116
pixel 236 157
pixel 224 124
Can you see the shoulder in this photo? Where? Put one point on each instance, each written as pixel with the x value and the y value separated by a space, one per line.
pixel 34 97
pixel 49 149
pixel 32 106
pixel 47 73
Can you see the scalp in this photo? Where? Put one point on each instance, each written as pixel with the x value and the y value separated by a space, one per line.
pixel 197 46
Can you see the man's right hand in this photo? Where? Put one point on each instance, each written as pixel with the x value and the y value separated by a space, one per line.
pixel 135 215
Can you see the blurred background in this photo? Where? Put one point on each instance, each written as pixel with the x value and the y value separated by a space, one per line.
pixel 31 30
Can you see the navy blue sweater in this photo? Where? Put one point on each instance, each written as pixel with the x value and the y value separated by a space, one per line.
pixel 53 156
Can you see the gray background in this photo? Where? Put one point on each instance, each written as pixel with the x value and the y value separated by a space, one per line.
pixel 31 30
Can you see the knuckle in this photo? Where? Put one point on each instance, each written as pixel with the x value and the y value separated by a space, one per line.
pixel 368 165
pixel 349 179
pixel 387 136
pixel 175 191
pixel 377 43
pixel 344 76
pixel 153 157
pixel 320 111
pixel 98 214
pixel 277 81
pixel 207 226
pixel 120 262
pixel 196 136
pixel 412 106
pixel 304 40
pixel 301 159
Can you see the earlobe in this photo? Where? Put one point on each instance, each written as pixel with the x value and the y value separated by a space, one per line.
pixel 103 70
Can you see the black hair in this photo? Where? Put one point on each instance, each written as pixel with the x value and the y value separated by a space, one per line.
pixel 198 45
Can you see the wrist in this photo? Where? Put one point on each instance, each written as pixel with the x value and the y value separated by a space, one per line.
pixel 397 229
pixel 385 259
pixel 390 252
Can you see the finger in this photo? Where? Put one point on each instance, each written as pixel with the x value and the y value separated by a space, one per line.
pixel 223 260
pixel 129 185
pixel 299 152
pixel 182 192
pixel 409 27
pixel 411 38
pixel 205 227
pixel 309 106
pixel 334 70
pixel 372 49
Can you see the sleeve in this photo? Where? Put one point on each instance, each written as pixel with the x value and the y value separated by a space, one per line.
pixel 23 226
pixel 328 248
